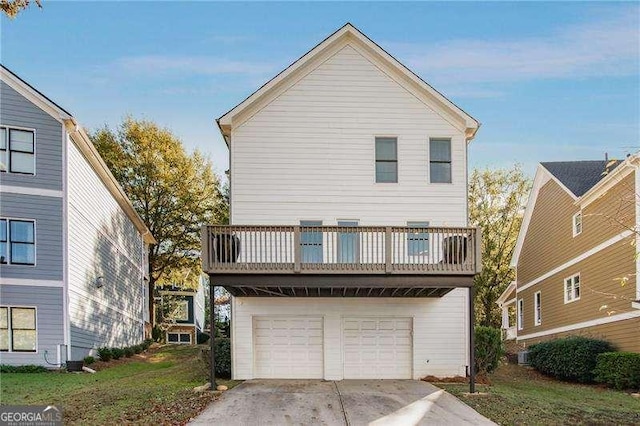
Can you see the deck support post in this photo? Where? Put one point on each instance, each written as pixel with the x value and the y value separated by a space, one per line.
pixel 212 322
pixel 472 351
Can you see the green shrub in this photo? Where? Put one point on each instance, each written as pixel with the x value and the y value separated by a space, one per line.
pixel 488 347
pixel 620 370
pixel 128 351
pixel 202 338
pixel 22 369
pixel 117 353
pixel 137 348
pixel 88 360
pixel 222 353
pixel 571 358
pixel 105 354
pixel 157 335
pixel 147 343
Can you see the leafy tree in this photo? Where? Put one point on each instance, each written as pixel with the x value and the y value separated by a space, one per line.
pixel 174 193
pixel 11 8
pixel 496 203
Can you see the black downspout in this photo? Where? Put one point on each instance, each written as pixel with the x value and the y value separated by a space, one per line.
pixel 472 350
pixel 212 322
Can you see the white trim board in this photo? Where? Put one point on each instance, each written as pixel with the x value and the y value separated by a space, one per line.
pixel 31 282
pixel 23 190
pixel 575 260
pixel 584 324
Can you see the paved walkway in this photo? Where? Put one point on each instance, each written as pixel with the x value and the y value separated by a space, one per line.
pixel 346 402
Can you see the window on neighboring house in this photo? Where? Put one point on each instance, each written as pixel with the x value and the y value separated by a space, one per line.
pixel 572 288
pixel 311 241
pixel 440 160
pixel 520 314
pixel 417 242
pixel 17 242
pixel 17 329
pixel 386 160
pixel 577 223
pixel 180 338
pixel 17 151
pixel 537 307
pixel 182 310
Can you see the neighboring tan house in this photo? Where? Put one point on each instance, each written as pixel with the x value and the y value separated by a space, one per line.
pixel 576 248
pixel 72 248
pixel 349 253
pixel 185 313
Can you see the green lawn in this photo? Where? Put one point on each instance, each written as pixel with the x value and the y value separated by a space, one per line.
pixel 519 395
pixel 154 387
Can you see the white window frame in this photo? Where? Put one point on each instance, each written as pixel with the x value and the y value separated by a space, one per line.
pixel 375 158
pixel 179 342
pixel 8 242
pixel 572 281
pixel 8 148
pixel 10 328
pixel 520 314
pixel 537 308
pixel 576 222
pixel 431 161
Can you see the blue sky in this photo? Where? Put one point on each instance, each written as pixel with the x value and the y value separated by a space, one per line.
pixel 548 81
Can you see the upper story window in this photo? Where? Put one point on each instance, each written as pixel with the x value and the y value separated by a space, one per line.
pixel 572 288
pixel 577 223
pixel 440 160
pixel 17 241
pixel 417 242
pixel 537 307
pixel 311 242
pixel 386 160
pixel 17 151
pixel 17 329
pixel 520 314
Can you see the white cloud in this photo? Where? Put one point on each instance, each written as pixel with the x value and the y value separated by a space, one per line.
pixel 609 47
pixel 199 65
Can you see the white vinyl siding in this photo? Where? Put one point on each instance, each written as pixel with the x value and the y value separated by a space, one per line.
pixel 377 348
pixel 310 152
pixel 439 340
pixel 102 242
pixel 288 347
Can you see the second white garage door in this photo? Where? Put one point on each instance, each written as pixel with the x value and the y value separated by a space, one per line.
pixel 288 348
pixel 377 348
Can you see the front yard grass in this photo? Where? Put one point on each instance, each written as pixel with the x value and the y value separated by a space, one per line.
pixel 520 395
pixel 153 387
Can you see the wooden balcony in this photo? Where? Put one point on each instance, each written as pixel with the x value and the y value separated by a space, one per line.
pixel 325 258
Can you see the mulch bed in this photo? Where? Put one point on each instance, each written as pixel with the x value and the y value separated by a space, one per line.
pixel 481 379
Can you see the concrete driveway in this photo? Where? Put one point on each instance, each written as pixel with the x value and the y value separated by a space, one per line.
pixel 347 402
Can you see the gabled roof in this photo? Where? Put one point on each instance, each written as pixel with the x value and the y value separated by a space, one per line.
pixel 583 181
pixel 351 33
pixel 579 176
pixel 82 141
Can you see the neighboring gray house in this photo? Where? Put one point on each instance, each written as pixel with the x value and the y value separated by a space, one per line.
pixel 72 249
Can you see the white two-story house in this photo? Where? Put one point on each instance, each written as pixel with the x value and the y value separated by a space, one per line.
pixel 349 253
pixel 73 265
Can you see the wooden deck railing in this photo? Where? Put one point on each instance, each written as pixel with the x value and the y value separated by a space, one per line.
pixel 245 249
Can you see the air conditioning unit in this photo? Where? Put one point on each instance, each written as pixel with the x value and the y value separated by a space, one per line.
pixel 523 358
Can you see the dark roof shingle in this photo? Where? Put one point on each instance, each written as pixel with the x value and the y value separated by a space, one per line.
pixel 579 176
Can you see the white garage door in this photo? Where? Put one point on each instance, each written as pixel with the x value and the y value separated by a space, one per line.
pixel 287 348
pixel 377 348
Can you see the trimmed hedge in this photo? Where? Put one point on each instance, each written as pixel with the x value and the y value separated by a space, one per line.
pixel 128 351
pixel 88 360
pixel 117 353
pixel 105 354
pixel 488 347
pixel 571 358
pixel 22 369
pixel 620 370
